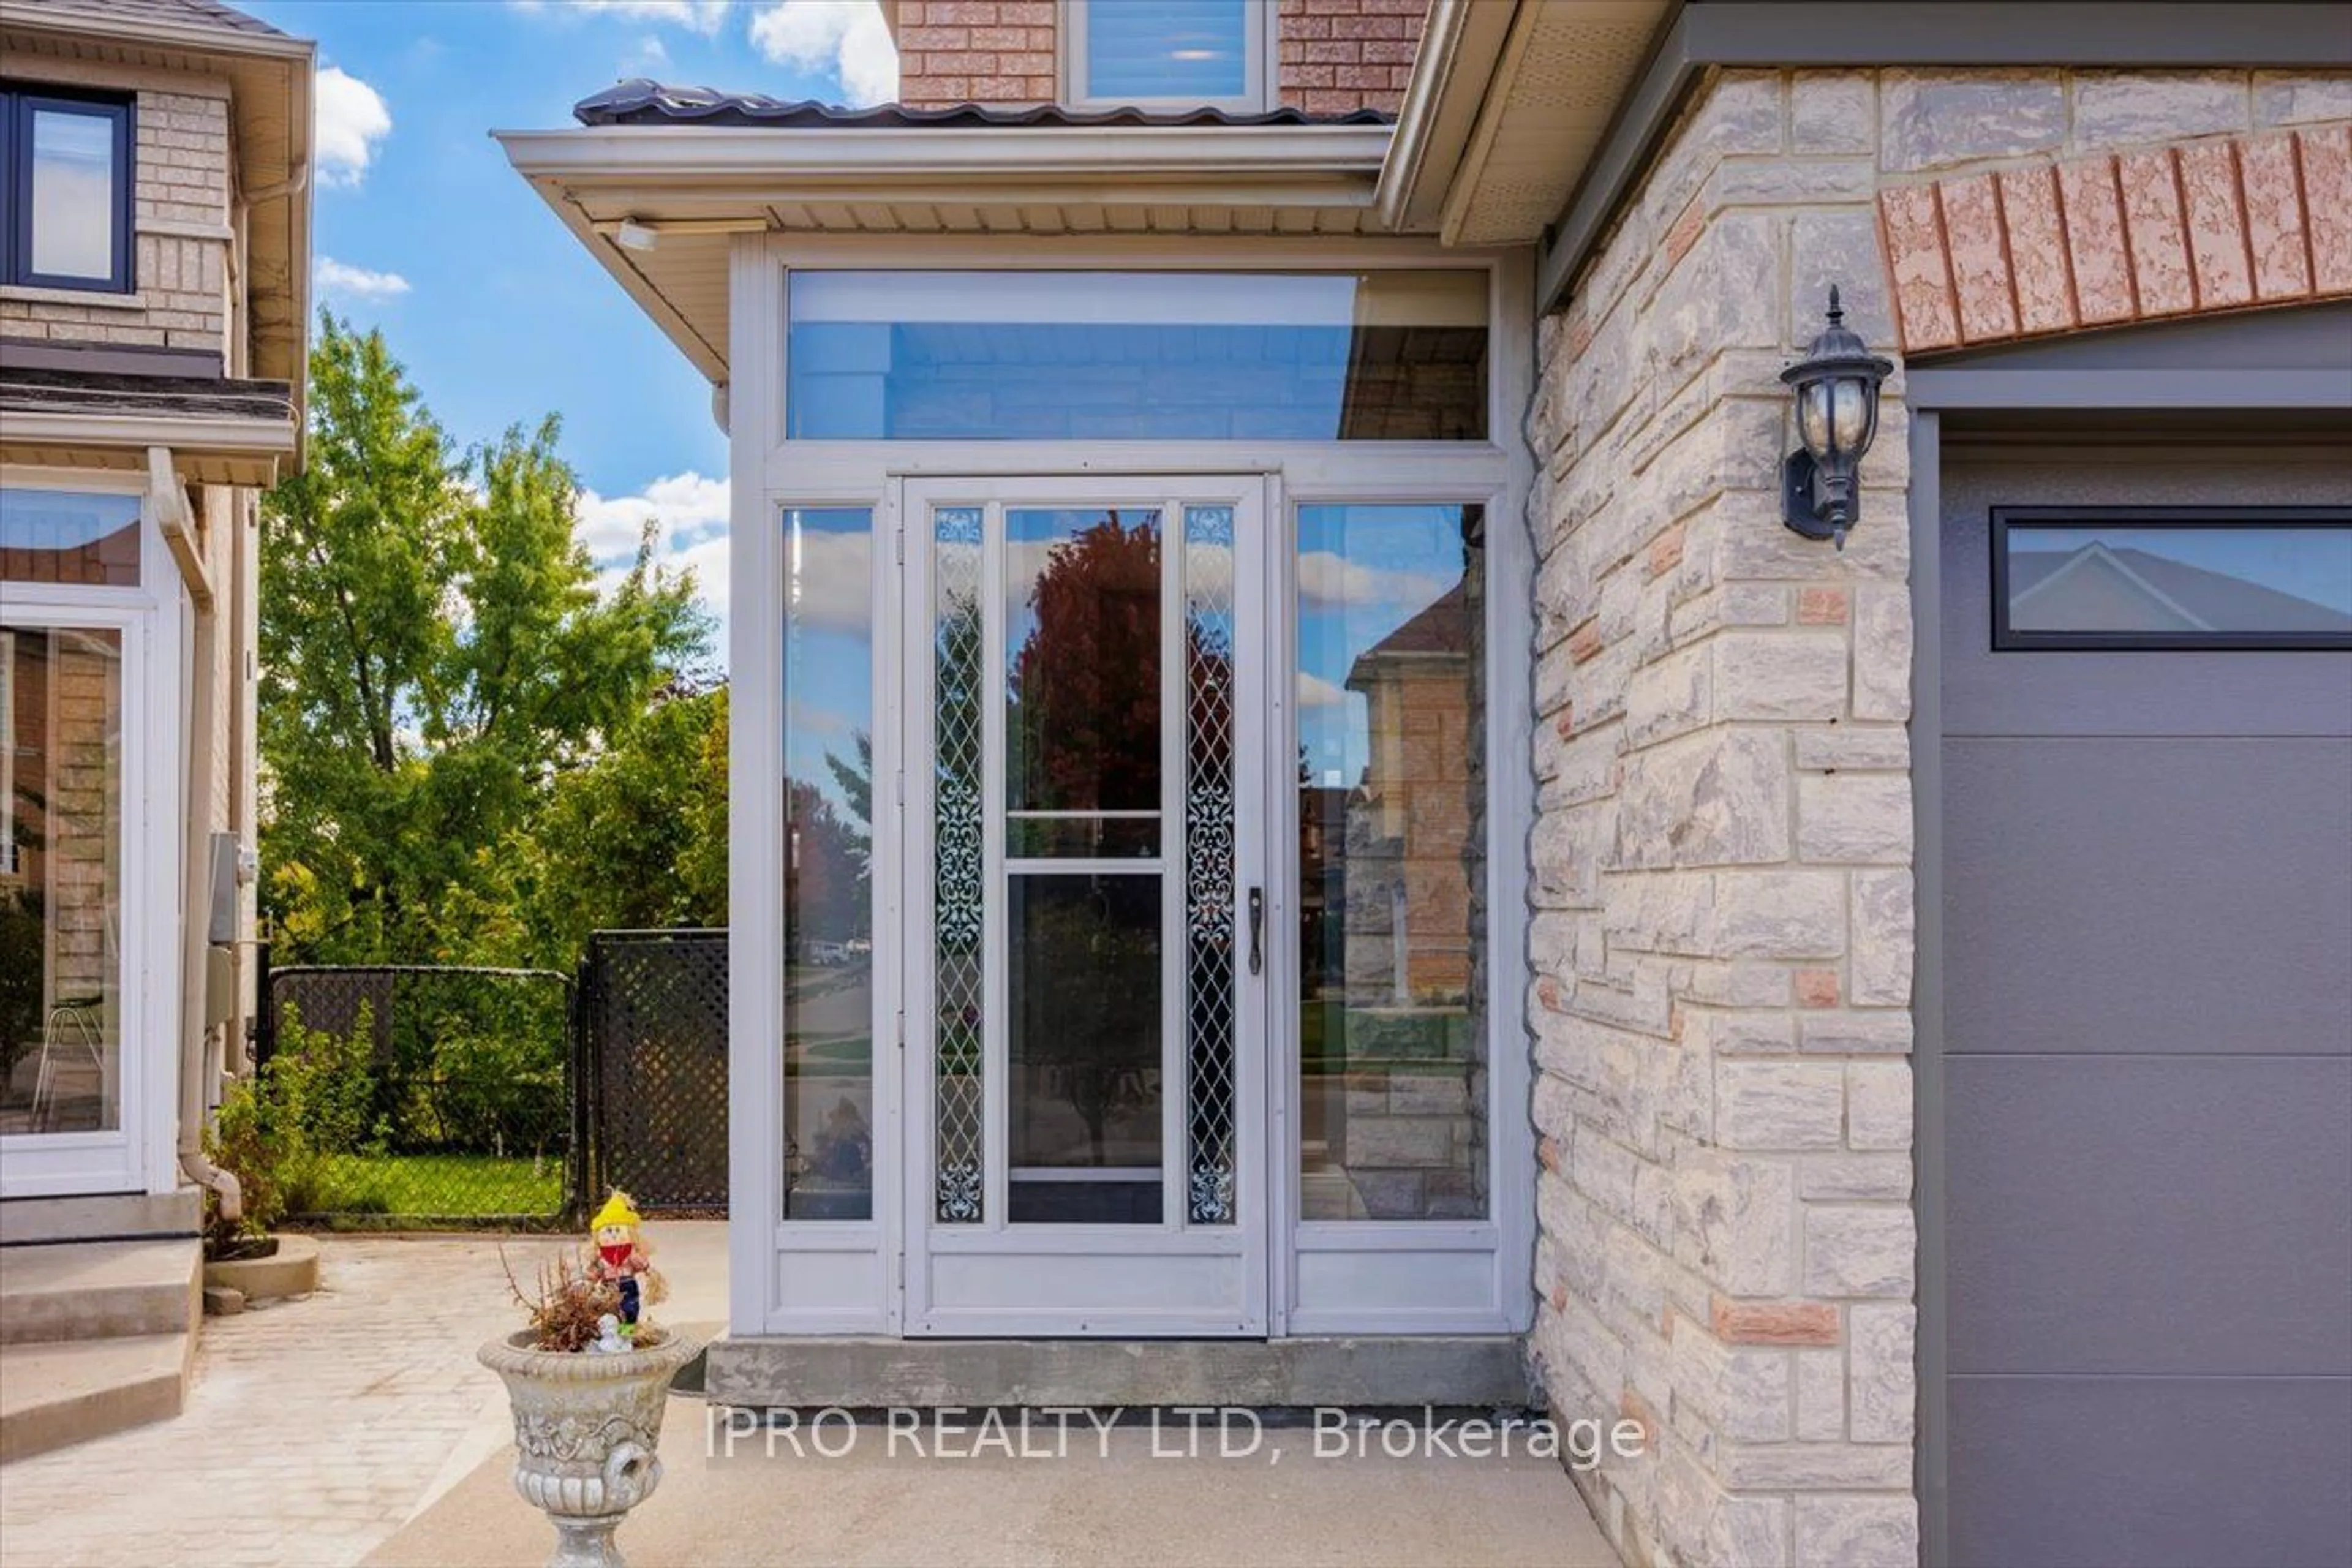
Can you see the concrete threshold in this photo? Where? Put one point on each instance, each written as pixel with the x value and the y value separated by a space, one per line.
pixel 1463 1371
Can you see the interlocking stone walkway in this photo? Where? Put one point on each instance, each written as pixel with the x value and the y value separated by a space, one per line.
pixel 315 1428
pixel 356 1425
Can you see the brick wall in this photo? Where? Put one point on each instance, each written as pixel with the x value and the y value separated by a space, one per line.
pixel 1337 56
pixel 977 51
pixel 1722 942
pixel 181 253
pixel 1334 56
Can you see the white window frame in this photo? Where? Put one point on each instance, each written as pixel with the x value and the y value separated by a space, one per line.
pixel 837 1276
pixel 1261 74
pixel 136 1155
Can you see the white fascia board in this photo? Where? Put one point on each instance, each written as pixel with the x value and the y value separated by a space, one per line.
pixel 844 157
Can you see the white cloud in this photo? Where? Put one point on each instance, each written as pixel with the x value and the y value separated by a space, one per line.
pixel 704 17
pixel 352 121
pixel 684 508
pixel 351 282
pixel 847 37
pixel 688 514
pixel 1328 579
pixel 1314 691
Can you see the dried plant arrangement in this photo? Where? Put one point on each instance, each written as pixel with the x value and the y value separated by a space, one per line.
pixel 572 1312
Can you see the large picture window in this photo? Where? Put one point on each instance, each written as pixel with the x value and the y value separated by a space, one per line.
pixel 1161 356
pixel 65 191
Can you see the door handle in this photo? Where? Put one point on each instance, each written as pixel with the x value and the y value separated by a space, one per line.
pixel 1257 930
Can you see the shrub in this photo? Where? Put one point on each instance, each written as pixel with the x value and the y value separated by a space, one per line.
pixel 280 1131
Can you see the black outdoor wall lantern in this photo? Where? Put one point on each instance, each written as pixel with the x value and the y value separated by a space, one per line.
pixel 1837 415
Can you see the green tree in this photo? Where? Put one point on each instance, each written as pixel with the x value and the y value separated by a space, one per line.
pixel 637 838
pixel 435 654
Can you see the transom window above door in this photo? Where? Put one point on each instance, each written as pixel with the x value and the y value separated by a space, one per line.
pixel 1388 355
pixel 1167 54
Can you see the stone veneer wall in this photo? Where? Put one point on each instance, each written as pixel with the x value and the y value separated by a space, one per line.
pixel 1335 55
pixel 180 262
pixel 1722 942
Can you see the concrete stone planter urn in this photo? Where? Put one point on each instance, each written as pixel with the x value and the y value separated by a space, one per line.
pixel 586 1428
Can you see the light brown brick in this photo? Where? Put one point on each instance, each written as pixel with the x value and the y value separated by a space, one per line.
pixel 2037 250
pixel 1911 234
pixel 1808 1323
pixel 2215 214
pixel 2327 205
pixel 2275 231
pixel 1979 246
pixel 1822 607
pixel 2094 241
pixel 2158 236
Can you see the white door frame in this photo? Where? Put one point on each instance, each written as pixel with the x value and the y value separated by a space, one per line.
pixel 124 1159
pixel 1174 1276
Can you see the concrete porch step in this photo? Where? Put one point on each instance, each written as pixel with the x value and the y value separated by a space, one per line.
pixel 96 1290
pixel 113 1217
pixel 70 1391
pixel 1470 1370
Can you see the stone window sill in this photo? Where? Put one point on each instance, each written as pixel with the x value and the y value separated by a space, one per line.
pixel 93 298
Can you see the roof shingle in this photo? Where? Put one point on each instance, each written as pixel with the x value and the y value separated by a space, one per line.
pixel 205 14
pixel 641 102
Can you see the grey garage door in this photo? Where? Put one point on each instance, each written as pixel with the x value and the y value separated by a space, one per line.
pixel 2148 1014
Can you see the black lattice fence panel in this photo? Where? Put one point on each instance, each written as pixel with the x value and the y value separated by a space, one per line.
pixel 409 1096
pixel 654 1007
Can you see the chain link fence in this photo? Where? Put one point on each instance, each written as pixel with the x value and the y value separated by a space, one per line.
pixel 421 1096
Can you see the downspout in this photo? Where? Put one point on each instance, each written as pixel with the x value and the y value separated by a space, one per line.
pixel 172 515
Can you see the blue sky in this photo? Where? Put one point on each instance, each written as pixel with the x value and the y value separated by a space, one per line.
pixel 498 313
pixel 500 316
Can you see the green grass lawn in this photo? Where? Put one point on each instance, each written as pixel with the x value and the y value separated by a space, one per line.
pixel 440 1187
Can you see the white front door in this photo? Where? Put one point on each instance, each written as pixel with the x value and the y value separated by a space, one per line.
pixel 1085 700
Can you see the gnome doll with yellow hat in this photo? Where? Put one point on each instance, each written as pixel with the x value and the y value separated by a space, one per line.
pixel 618 1258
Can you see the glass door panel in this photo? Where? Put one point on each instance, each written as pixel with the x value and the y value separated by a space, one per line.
pixel 1079 1059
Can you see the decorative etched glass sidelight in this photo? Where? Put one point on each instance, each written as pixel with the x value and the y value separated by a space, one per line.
pixel 1209 1001
pixel 958 886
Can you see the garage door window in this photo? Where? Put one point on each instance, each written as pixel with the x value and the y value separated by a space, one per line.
pixel 2171 578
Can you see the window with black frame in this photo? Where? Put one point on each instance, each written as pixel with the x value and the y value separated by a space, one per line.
pixel 65 189
pixel 2171 578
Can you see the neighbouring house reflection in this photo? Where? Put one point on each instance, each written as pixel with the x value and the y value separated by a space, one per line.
pixel 1392 862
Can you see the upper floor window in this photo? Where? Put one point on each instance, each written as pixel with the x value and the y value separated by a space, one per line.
pixel 1169 54
pixel 65 190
